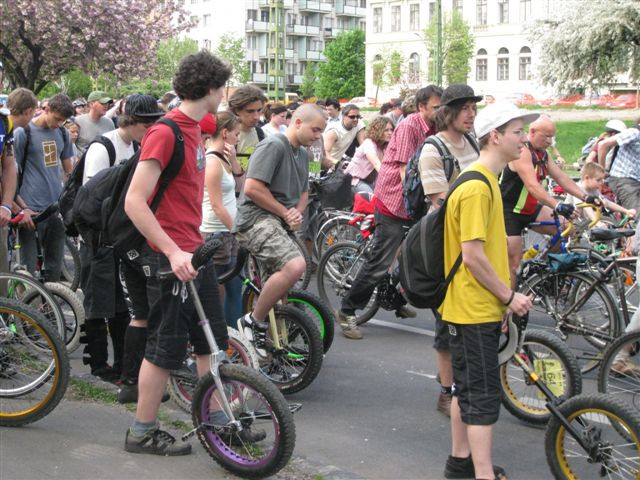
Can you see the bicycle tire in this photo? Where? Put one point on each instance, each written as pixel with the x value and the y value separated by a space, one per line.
pixel 71 307
pixel 17 354
pixel 25 282
pixel 527 404
pixel 554 294
pixel 71 266
pixel 624 385
pixel 332 231
pixel 338 267
pixel 599 413
pixel 257 404
pixel 311 304
pixel 297 363
pixel 181 387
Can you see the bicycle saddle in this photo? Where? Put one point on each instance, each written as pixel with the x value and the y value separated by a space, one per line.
pixel 604 234
pixel 46 213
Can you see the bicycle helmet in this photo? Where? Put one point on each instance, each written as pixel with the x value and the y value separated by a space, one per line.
pixel 615 126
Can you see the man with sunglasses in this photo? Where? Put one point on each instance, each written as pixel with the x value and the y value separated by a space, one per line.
pixel 339 136
pixel 94 123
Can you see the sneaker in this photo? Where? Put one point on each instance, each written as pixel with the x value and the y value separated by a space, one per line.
pixel 348 325
pixel 444 404
pixel 106 373
pixel 156 442
pixel 625 367
pixel 406 312
pixel 219 418
pixel 129 394
pixel 254 332
pixel 463 468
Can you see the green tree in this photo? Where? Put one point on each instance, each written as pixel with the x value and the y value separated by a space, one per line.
pixel 169 54
pixel 342 75
pixel 588 44
pixel 378 67
pixel 396 68
pixel 309 80
pixel 457 48
pixel 75 84
pixel 231 49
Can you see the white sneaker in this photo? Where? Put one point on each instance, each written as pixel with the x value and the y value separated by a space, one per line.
pixel 246 325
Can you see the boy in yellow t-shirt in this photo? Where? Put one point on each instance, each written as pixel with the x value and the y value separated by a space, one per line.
pixel 479 293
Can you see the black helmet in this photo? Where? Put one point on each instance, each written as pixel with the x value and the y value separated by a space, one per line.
pixel 142 106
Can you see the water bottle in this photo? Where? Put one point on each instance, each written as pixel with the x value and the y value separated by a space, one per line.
pixel 531 252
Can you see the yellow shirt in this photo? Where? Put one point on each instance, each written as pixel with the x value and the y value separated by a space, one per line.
pixel 472 214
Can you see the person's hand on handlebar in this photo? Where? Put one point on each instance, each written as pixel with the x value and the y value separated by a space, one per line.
pixel 26 221
pixel 593 200
pixel 520 304
pixel 181 265
pixel 566 210
pixel 293 219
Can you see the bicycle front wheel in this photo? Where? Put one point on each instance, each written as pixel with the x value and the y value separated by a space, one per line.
pixel 597 419
pixel 34 366
pixel 553 361
pixel 71 264
pixel 619 373
pixel 266 442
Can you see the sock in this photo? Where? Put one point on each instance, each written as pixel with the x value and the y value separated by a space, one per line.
pixel 445 390
pixel 140 429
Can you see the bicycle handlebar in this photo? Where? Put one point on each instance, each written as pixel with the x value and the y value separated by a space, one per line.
pixel 200 257
pixel 593 223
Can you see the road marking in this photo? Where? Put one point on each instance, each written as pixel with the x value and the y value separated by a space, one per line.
pixel 428 375
pixel 406 328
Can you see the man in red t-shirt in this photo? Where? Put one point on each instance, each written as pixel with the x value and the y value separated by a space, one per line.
pixel 173 234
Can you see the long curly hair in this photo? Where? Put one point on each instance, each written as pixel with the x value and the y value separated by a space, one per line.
pixel 375 131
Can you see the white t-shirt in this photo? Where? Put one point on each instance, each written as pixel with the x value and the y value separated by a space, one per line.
pixel 269 130
pixel 97 157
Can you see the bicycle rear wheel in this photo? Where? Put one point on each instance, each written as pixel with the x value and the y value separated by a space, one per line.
pixel 597 419
pixel 334 230
pixel 71 264
pixel 34 366
pixel 619 374
pixel 553 361
pixel 259 407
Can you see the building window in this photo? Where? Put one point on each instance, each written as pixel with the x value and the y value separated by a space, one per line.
pixel 193 2
pixel 414 16
pixel 432 10
pixel 395 18
pixel 362 25
pixel 525 10
pixel 503 11
pixel 525 64
pixel 457 5
pixel 252 14
pixel 206 19
pixel 481 65
pixel 414 68
pixel 481 12
pixel 194 19
pixel 503 64
pixel 377 20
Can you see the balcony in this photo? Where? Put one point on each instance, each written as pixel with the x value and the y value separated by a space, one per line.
pixel 331 32
pixel 303 30
pixel 350 11
pixel 287 4
pixel 294 79
pixel 314 6
pixel 256 26
pixel 271 53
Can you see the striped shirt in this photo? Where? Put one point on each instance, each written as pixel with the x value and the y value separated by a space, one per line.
pixel 627 161
pixel 406 138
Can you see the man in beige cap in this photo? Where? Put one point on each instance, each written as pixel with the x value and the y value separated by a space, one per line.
pixel 94 123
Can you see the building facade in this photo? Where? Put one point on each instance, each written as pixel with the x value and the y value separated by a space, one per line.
pixel 504 60
pixel 282 37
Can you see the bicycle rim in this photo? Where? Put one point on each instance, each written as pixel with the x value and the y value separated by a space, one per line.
pixel 34 367
pixel 260 409
pixel 619 374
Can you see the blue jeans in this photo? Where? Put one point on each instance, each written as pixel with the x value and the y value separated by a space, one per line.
pixel 51 237
pixel 232 295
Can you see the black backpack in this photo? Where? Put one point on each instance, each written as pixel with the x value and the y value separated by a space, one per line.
pixel 74 182
pixel 99 204
pixel 415 201
pixel 421 259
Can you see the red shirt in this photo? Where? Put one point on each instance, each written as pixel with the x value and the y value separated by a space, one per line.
pixel 407 137
pixel 180 210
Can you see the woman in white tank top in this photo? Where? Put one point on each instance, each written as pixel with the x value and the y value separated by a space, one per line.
pixel 224 177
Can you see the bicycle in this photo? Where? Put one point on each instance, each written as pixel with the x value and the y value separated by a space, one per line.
pixel 584 427
pixel 622 382
pixel 245 398
pixel 34 366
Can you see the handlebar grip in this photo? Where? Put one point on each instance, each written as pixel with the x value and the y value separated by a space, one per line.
pixel 17 219
pixel 204 252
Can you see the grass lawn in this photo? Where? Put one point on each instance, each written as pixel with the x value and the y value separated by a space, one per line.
pixel 571 137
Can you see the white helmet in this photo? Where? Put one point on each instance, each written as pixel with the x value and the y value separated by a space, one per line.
pixel 615 126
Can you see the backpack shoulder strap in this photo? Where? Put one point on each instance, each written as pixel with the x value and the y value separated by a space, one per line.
pixel 473 142
pixel 175 164
pixel 108 144
pixel 260 133
pixel 449 162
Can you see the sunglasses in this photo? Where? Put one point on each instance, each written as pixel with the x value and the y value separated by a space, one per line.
pixel 354 117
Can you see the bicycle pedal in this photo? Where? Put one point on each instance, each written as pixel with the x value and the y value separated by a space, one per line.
pixel 294 407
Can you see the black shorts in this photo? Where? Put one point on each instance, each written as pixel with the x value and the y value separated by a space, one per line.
pixel 136 283
pixel 442 337
pixel 515 223
pixel 172 319
pixel 476 377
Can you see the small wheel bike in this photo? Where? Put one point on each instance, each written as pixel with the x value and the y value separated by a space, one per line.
pixel 244 398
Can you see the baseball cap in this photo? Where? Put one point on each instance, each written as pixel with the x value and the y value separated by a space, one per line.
pixel 497 114
pixel 142 106
pixel 99 96
pixel 615 126
pixel 458 93
pixel 208 124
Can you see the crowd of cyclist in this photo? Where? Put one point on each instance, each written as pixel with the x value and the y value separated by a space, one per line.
pixel 213 196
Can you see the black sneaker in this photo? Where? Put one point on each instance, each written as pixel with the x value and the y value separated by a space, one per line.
pixel 245 436
pixel 106 373
pixel 463 468
pixel 157 442
pixel 129 394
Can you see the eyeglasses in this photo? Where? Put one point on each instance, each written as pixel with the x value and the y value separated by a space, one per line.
pixel 354 117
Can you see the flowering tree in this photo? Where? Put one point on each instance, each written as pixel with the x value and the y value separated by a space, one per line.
pixel 43 39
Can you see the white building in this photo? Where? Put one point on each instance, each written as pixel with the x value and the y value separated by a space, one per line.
pixel 307 26
pixel 504 60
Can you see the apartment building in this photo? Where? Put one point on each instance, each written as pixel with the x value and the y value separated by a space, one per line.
pixel 504 60
pixel 282 37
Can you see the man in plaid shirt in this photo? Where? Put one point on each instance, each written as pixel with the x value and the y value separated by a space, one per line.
pixel 390 214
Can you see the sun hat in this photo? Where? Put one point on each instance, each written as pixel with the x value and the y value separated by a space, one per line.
pixel 142 106
pixel 615 126
pixel 458 93
pixel 99 96
pixel 499 113
pixel 208 124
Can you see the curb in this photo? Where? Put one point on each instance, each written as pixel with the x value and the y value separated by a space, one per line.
pixel 299 467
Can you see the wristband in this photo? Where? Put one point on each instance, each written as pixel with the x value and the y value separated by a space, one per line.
pixel 238 174
pixel 513 294
pixel 7 207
